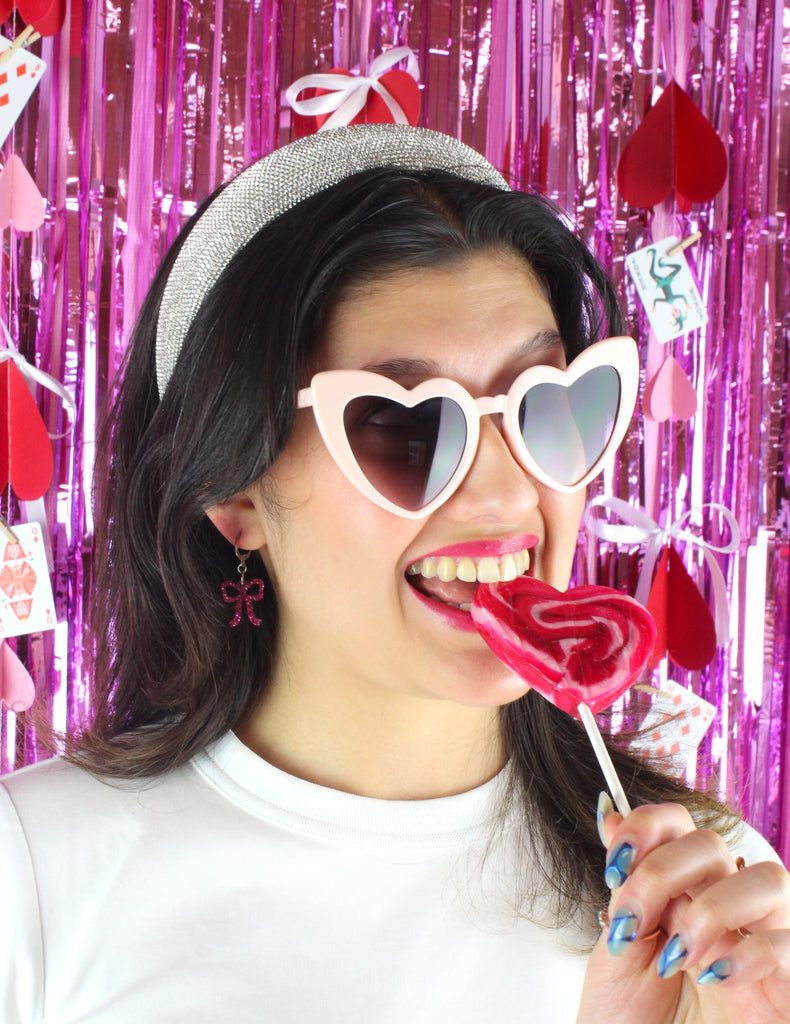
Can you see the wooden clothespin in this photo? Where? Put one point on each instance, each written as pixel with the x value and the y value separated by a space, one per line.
pixel 684 243
pixel 26 36
pixel 7 532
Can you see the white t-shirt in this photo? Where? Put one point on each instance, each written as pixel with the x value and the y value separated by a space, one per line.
pixel 229 891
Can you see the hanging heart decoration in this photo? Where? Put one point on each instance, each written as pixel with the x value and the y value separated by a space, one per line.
pixel 45 16
pixel 25 449
pixel 637 527
pixel 684 625
pixel 386 95
pixel 17 690
pixel 6 9
pixel 670 394
pixel 675 147
pixel 21 203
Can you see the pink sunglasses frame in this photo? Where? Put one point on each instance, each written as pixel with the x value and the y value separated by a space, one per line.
pixel 331 390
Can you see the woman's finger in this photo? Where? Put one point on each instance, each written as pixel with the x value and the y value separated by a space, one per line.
pixel 704 928
pixel 756 958
pixel 645 829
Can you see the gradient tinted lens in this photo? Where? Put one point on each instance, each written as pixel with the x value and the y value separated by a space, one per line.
pixel 566 430
pixel 408 455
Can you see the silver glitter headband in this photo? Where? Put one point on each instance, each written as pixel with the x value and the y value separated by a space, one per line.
pixel 275 184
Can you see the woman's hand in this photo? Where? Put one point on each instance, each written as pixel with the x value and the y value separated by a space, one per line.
pixel 691 939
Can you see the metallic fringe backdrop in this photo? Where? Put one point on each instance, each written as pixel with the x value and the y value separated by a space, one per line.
pixel 157 102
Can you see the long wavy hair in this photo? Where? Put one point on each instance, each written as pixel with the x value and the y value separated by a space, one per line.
pixel 169 676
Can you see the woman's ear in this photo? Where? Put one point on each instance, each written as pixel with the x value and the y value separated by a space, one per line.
pixel 239 521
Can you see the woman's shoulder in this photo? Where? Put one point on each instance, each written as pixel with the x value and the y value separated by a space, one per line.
pixel 748 843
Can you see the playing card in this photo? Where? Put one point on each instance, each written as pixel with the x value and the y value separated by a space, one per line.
pixel 26 602
pixel 18 79
pixel 674 726
pixel 667 289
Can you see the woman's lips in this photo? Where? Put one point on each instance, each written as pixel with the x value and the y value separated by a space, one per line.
pixel 458 618
pixel 445 580
pixel 491 547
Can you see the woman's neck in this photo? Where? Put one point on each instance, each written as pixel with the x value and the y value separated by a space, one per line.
pixel 374 743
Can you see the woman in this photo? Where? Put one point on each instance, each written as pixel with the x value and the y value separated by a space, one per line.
pixel 310 791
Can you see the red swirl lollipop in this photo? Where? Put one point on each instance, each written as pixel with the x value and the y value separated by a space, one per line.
pixel 580 649
pixel 586 645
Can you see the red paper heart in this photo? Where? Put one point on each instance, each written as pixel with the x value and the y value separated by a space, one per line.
pixel 684 624
pixel 25 449
pixel 675 146
pixel 46 16
pixel 20 199
pixel 17 691
pixel 670 394
pixel 586 645
pixel 6 9
pixel 400 84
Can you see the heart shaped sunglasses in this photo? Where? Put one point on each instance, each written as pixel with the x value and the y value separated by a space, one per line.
pixel 408 450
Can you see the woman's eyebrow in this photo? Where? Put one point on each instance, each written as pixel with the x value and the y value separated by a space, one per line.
pixel 404 368
pixel 547 340
pixel 543 341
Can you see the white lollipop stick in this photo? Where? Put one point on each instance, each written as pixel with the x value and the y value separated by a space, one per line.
pixel 608 769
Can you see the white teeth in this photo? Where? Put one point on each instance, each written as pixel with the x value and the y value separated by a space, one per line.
pixel 469 570
pixel 508 570
pixel 446 569
pixel 488 570
pixel 466 606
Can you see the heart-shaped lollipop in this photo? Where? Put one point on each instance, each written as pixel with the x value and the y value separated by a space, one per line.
pixel 580 649
pixel 586 645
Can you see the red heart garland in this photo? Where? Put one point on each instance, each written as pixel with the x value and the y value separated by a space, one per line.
pixel 399 84
pixel 46 16
pixel 675 146
pixel 586 645
pixel 684 624
pixel 25 449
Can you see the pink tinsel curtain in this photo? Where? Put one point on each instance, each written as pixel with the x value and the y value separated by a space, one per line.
pixel 148 106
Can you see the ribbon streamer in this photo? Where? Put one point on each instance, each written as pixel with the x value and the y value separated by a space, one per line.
pixel 46 380
pixel 638 528
pixel 348 94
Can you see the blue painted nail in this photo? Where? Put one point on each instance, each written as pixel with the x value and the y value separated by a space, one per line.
pixel 605 806
pixel 622 931
pixel 719 970
pixel 672 957
pixel 619 865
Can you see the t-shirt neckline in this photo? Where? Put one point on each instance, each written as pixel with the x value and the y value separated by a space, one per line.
pixel 272 794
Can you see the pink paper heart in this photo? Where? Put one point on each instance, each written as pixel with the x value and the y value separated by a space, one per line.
pixel 670 394
pixel 17 690
pixel 586 645
pixel 20 200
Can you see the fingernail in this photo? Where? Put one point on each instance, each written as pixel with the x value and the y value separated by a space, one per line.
pixel 619 865
pixel 719 970
pixel 672 957
pixel 622 931
pixel 605 806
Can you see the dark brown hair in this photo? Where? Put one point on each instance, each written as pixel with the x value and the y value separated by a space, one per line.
pixel 169 676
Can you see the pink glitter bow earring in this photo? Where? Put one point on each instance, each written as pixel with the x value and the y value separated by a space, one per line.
pixel 245 593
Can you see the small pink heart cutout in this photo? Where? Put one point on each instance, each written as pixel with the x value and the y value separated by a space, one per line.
pixel 20 199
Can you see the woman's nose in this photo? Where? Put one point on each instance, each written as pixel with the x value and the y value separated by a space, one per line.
pixel 497 487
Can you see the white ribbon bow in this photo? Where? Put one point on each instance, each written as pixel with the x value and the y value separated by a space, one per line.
pixel 348 94
pixel 33 373
pixel 639 528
